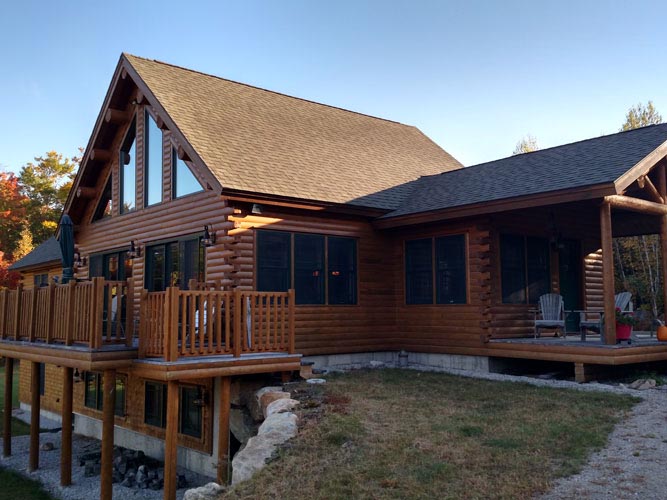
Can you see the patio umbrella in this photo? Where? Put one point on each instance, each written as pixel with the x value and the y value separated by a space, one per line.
pixel 67 247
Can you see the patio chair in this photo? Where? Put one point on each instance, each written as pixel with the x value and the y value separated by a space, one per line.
pixel 594 320
pixel 552 312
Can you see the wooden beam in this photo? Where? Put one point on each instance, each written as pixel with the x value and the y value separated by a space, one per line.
pixel 662 180
pixel 170 441
pixel 223 431
pixel 607 274
pixel 182 154
pixel 159 121
pixel 86 192
pixel 33 460
pixel 66 441
pixel 647 185
pixel 117 116
pixel 100 155
pixel 141 97
pixel 108 406
pixel 635 205
pixel 7 412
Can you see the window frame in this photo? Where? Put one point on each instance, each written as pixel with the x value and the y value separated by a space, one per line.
pixel 148 265
pixel 148 117
pixel 162 414
pixel 434 271
pixel 182 408
pixel 292 283
pixel 99 393
pixel 526 278
pixel 121 166
pixel 174 167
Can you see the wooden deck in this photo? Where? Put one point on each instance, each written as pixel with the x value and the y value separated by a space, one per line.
pixel 572 349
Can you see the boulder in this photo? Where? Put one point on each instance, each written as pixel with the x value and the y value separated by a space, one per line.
pixel 643 384
pixel 48 446
pixel 281 406
pixel 254 404
pixel 276 429
pixel 269 398
pixel 241 425
pixel 210 491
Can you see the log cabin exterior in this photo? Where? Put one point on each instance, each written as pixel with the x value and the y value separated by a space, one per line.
pixel 306 230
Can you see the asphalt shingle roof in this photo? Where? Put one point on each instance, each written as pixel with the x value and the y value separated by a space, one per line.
pixel 601 160
pixel 265 142
pixel 49 251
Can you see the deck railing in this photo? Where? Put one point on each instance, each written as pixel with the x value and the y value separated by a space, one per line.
pixel 90 313
pixel 185 323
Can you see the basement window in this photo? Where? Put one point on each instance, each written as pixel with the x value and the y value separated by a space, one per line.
pixel 190 414
pixel 155 404
pixel 94 393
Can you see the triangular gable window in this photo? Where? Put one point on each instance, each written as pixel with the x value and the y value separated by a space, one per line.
pixel 104 206
pixel 184 181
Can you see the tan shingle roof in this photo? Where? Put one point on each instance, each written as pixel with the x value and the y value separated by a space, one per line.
pixel 261 141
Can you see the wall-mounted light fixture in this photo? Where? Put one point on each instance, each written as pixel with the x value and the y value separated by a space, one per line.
pixel 79 261
pixel 209 237
pixel 134 251
pixel 256 209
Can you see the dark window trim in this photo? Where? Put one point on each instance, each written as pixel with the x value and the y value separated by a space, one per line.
pixel 326 266
pixel 163 410
pixel 121 166
pixel 434 285
pixel 146 160
pixel 96 216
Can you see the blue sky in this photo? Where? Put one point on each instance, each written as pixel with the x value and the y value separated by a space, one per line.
pixel 475 76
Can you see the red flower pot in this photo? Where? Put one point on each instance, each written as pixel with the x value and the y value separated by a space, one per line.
pixel 623 332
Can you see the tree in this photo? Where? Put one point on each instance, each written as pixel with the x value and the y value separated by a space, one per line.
pixel 641 116
pixel 526 145
pixel 8 278
pixel 12 213
pixel 46 184
pixel 24 246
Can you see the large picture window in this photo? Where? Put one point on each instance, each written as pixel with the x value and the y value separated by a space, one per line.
pixel 94 394
pixel 174 263
pixel 323 269
pixel 128 171
pixel 184 181
pixel 152 161
pixel 524 268
pixel 436 270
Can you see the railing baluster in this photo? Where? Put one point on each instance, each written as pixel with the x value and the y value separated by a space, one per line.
pixel 291 321
pixel 17 312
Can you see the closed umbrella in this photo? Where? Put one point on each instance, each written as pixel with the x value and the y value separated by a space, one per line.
pixel 67 247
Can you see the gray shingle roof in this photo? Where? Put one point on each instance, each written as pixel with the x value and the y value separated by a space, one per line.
pixel 261 141
pixel 601 160
pixel 47 252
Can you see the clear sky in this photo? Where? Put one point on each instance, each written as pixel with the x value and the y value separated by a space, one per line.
pixel 475 76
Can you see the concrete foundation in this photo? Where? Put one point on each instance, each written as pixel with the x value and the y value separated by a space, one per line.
pixel 47 419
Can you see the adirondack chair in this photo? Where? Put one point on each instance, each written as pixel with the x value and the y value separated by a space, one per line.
pixel 552 312
pixel 594 320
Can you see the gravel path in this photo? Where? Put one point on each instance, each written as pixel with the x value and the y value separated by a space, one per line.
pixel 83 488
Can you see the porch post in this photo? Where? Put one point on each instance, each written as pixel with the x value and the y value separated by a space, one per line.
pixel 7 416
pixel 66 444
pixel 662 189
pixel 223 430
pixel 33 460
pixel 170 441
pixel 607 274
pixel 108 407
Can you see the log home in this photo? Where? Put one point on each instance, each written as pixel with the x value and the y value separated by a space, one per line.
pixel 225 230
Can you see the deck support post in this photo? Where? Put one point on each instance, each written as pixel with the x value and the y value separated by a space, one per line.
pixel 7 412
pixel 662 189
pixel 33 460
pixel 223 430
pixel 108 407
pixel 608 291
pixel 66 444
pixel 170 441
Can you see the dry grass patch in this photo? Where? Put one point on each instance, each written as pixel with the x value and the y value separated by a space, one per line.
pixel 406 434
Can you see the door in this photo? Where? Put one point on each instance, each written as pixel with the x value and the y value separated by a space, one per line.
pixel 569 275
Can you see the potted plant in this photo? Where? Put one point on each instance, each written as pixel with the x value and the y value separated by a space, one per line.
pixel 624 323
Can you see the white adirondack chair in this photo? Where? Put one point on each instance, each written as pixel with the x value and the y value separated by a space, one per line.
pixel 595 320
pixel 552 312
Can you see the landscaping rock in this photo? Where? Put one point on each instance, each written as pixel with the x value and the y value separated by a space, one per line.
pixel 281 406
pixel 210 491
pixel 279 426
pixel 48 446
pixel 269 398
pixel 316 380
pixel 254 404
pixel 241 425
pixel 643 384
pixel 376 364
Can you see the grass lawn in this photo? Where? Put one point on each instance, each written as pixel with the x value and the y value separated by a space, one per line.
pixel 405 434
pixel 19 428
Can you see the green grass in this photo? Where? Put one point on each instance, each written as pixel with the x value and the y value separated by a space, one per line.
pixel 19 428
pixel 402 434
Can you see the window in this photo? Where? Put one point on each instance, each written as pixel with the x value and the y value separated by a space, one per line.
pixel 436 268
pixel 190 412
pixel 94 393
pixel 104 206
pixel 174 264
pixel 183 180
pixel 323 270
pixel 40 280
pixel 524 268
pixel 128 171
pixel 152 161
pixel 155 404
pixel 113 266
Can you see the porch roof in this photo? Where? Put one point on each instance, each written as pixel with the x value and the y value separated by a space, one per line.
pixel 590 163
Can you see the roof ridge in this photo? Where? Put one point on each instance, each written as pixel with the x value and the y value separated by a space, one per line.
pixel 126 54
pixel 549 148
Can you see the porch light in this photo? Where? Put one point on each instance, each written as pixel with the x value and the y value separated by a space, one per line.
pixel 79 261
pixel 209 238
pixel 256 209
pixel 134 251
